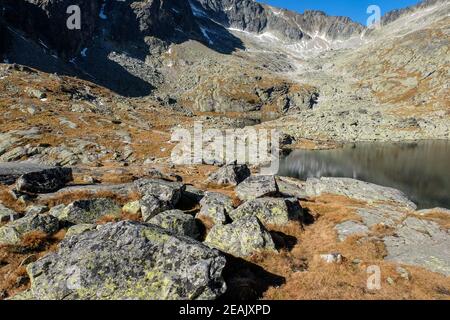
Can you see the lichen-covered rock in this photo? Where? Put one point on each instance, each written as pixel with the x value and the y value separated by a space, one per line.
pixel 275 211
pixel 257 187
pixel 291 187
pixel 89 211
pixel 240 238
pixel 128 260
pixel 36 209
pixel 422 243
pixel 177 222
pixel 57 211
pixel 167 191
pixel 230 174
pixel 7 214
pixel 133 207
pixel 13 231
pixel 215 207
pixel 151 206
pixel 359 190
pixel 44 181
pixel 350 228
pixel 79 229
pixel 10 172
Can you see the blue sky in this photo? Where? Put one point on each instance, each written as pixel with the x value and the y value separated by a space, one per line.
pixel 355 9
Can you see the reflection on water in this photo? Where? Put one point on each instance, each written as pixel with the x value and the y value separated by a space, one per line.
pixel 421 170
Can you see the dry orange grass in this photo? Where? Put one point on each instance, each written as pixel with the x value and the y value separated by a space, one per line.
pixel 308 277
pixel 69 197
pixel 13 259
pixel 8 200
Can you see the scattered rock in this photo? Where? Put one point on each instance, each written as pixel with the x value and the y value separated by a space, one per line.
pixel 10 172
pixel 291 187
pixel 240 238
pixel 403 273
pixel 167 191
pixel 7 214
pixel 151 206
pixel 36 209
pixel 332 258
pixel 133 207
pixel 216 207
pixel 13 231
pixel 44 181
pixel 57 211
pixel 350 228
pixel 89 211
pixel 79 229
pixel 127 261
pixel 256 187
pixel 177 222
pixel 276 211
pixel 230 174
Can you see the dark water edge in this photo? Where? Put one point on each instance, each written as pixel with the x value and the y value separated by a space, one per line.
pixel 420 169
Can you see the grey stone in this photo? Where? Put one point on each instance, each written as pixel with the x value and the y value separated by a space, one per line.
pixel 350 228
pixel 90 210
pixel 128 261
pixel 79 229
pixel 359 190
pixel 177 222
pixel 151 206
pixel 13 231
pixel 291 187
pixel 240 238
pixel 422 243
pixel 167 191
pixel 44 181
pixel 257 187
pixel 7 214
pixel 270 211
pixel 10 172
pixel 36 209
pixel 230 174
pixel 216 207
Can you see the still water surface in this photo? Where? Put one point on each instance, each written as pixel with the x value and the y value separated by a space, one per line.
pixel 421 170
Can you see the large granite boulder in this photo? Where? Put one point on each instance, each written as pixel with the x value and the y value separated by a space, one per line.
pixel 240 238
pixel 127 261
pixel 89 211
pixel 44 181
pixel 215 207
pixel 275 211
pixel 177 222
pixel 257 187
pixel 358 190
pixel 11 171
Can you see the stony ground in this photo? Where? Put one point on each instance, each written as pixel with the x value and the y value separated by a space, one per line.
pixel 151 236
